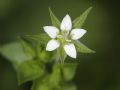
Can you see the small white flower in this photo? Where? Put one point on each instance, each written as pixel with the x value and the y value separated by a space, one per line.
pixel 64 36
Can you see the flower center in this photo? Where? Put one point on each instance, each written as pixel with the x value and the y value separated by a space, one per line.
pixel 64 36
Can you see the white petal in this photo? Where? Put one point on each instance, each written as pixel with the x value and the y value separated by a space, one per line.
pixel 51 31
pixel 70 50
pixel 77 33
pixel 66 23
pixel 52 45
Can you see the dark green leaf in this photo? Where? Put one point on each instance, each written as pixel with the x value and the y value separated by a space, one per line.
pixel 54 19
pixel 42 38
pixel 82 48
pixel 49 82
pixel 29 70
pixel 27 48
pixel 78 22
pixel 14 53
pixel 69 70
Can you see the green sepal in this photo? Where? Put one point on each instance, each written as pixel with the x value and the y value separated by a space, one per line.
pixel 82 48
pixel 54 19
pixel 78 22
pixel 28 71
pixel 61 55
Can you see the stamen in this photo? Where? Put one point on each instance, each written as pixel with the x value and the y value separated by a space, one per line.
pixel 68 40
pixel 59 36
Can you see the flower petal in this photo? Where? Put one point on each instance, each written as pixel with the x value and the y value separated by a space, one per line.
pixel 77 33
pixel 52 45
pixel 51 31
pixel 70 50
pixel 66 23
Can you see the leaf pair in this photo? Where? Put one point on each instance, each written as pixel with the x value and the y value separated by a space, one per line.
pixel 21 55
pixel 55 81
pixel 50 81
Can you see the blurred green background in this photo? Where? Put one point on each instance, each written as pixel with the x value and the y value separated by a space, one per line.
pixel 99 71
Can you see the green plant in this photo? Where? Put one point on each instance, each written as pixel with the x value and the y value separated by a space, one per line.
pixel 47 70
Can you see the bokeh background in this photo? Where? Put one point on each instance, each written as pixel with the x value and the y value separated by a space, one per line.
pixel 99 71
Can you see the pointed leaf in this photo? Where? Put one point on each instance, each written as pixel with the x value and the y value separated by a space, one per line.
pixel 29 70
pixel 42 38
pixel 27 48
pixel 82 48
pixel 78 22
pixel 61 54
pixel 54 19
pixel 14 53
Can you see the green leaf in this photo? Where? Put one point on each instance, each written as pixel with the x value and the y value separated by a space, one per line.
pixel 29 70
pixel 27 48
pixel 14 53
pixel 78 22
pixel 49 82
pixel 69 70
pixel 82 48
pixel 54 19
pixel 42 38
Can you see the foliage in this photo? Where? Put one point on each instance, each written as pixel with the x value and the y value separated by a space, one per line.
pixel 33 63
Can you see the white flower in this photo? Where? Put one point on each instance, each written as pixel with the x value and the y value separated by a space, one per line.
pixel 64 36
